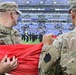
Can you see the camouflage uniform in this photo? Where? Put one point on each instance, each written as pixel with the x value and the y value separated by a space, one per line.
pixel 9 35
pixel 60 57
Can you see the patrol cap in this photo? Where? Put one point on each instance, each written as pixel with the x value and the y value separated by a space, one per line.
pixel 9 6
pixel 72 5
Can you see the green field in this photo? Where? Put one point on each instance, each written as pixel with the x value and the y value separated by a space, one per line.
pixel 30 42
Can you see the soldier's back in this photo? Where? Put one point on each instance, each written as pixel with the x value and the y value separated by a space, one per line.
pixel 68 54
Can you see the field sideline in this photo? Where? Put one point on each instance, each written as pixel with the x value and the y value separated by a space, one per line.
pixel 30 42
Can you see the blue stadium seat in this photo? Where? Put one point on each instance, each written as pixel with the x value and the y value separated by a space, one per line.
pixel 65 31
pixel 8 0
pixel 66 26
pixel 39 1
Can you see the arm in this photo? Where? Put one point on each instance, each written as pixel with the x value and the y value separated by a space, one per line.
pixel 49 56
pixel 6 65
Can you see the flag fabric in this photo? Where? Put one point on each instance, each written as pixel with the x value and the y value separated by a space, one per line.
pixel 28 57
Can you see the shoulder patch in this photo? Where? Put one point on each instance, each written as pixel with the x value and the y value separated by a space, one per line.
pixel 47 58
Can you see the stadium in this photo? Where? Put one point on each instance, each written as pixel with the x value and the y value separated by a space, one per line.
pixel 28 50
pixel 42 17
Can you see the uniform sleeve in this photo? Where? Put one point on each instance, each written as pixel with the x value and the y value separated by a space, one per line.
pixel 49 56
pixel 2 39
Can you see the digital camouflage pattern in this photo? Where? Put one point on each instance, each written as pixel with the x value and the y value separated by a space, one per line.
pixel 60 57
pixel 9 6
pixel 9 36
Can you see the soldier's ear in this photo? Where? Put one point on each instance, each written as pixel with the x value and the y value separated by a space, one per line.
pixel 73 14
pixel 11 15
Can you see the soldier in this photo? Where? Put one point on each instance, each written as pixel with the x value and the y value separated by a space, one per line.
pixel 59 58
pixel 9 14
pixel 8 18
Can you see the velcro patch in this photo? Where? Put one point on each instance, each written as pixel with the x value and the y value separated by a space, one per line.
pixel 47 58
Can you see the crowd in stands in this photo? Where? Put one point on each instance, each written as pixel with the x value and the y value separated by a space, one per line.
pixel 23 2
pixel 36 31
pixel 43 2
